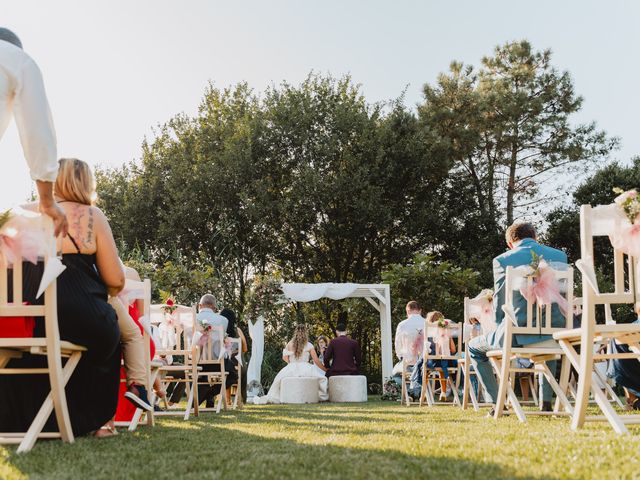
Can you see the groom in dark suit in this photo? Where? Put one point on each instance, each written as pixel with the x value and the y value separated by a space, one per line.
pixel 342 356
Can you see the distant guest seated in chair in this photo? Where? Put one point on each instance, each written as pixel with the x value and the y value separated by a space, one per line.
pixel 626 372
pixel 521 240
pixel 343 355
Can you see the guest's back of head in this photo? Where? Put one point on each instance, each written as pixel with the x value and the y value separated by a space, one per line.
pixel 518 231
pixel 434 317
pixel 208 301
pixel 230 315
pixel 75 182
pixel 8 36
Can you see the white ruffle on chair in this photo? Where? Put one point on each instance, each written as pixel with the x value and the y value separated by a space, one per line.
pixel 603 221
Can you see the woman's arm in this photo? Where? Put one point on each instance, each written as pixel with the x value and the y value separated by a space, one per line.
pixel 316 360
pixel 108 262
pixel 452 346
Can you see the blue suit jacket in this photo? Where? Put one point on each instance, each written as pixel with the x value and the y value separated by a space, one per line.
pixel 521 255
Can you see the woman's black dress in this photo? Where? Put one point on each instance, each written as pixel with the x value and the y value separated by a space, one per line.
pixel 84 318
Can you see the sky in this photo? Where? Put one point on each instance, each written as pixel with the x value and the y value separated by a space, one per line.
pixel 116 69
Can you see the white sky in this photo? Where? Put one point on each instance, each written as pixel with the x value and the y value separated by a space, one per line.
pixel 115 69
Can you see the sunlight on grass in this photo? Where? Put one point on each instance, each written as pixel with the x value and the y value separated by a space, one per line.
pixel 378 439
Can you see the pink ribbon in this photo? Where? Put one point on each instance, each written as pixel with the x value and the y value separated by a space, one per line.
pixel 442 341
pixel 545 289
pixel 411 345
pixel 626 238
pixel 204 338
pixel 20 238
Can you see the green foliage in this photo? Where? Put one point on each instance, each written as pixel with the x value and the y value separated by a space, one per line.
pixel 508 128
pixel 564 223
pixel 312 183
pixel 435 285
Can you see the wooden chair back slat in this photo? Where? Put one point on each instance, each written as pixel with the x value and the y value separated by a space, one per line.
pixel 539 319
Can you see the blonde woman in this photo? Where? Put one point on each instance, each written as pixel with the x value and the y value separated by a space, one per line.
pixel 93 272
pixel 297 354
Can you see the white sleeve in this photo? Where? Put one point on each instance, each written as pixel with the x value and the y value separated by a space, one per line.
pixel 35 124
pixel 398 341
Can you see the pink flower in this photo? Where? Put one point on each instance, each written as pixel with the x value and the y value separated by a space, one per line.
pixel 170 302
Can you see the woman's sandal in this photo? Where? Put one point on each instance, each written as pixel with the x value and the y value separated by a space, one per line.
pixel 106 431
pixel 636 404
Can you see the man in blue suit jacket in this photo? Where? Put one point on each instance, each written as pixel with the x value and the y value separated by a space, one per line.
pixel 521 239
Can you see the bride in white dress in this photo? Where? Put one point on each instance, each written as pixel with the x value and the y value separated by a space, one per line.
pixel 297 354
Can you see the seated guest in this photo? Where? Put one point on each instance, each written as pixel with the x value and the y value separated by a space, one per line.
pixel 441 366
pixel 409 334
pixel 626 372
pixel 322 343
pixel 235 332
pixel 133 348
pixel 342 356
pixel 207 313
pixel 93 272
pixel 521 240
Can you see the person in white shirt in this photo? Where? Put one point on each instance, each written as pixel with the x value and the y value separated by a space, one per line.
pixel 207 313
pixel 409 334
pixel 23 97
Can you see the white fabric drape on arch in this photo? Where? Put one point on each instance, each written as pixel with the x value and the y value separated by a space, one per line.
pixel 303 292
pixel 254 370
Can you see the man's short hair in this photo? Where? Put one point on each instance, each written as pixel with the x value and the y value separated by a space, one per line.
pixel 8 36
pixel 208 300
pixel 341 327
pixel 519 231
pixel 413 306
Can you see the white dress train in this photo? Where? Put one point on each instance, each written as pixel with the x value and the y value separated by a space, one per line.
pixel 297 367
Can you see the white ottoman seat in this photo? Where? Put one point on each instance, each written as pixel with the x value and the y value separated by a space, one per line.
pixel 299 390
pixel 348 388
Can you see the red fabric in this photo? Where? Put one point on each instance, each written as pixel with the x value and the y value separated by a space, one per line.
pixel 126 409
pixel 17 327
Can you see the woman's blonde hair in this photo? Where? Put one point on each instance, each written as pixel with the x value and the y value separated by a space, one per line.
pixel 75 182
pixel 324 339
pixel 299 340
pixel 434 317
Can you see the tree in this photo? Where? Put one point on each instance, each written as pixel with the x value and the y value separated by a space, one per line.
pixel 508 129
pixel 564 223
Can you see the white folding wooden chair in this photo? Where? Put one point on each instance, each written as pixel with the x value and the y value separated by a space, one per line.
pixel 142 291
pixel 431 375
pixel 50 346
pixel 538 323
pixel 208 357
pixel 236 388
pixel 407 370
pixel 176 337
pixel 597 222
pixel 465 368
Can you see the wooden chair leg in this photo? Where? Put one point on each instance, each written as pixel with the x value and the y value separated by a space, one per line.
pixel 565 372
pixel 474 398
pixel 560 393
pixel 533 389
pixel 466 386
pixel 503 378
pixel 48 406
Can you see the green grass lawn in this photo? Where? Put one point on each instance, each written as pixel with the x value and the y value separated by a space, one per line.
pixel 374 440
